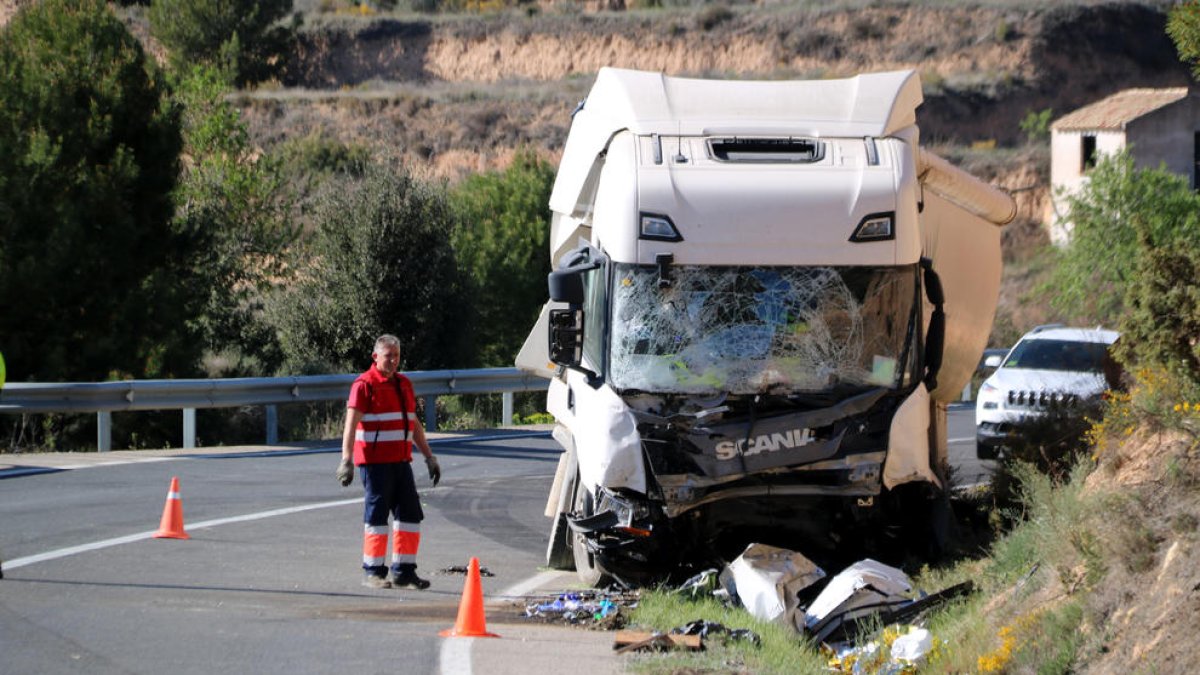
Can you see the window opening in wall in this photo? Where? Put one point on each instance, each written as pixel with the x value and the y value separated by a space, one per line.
pixel 1196 161
pixel 1089 153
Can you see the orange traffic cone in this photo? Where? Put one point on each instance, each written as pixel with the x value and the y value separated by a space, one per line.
pixel 471 622
pixel 171 526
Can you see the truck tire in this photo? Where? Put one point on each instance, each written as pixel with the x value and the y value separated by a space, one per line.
pixel 586 567
pixel 983 451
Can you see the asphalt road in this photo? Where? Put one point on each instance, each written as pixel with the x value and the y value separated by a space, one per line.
pixel 270 580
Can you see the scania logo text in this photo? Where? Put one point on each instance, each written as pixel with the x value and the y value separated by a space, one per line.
pixel 788 440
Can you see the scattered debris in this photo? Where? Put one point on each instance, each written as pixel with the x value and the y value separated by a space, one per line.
pixel 768 581
pixel 462 569
pixel 594 607
pixel 632 641
pixel 704 629
pixel 862 589
pixel 869 593
pixel 898 649
pixel 703 584
pixel 912 646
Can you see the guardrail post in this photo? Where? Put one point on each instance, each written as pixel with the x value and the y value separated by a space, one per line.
pixel 506 407
pixel 189 428
pixel 103 431
pixel 430 413
pixel 272 425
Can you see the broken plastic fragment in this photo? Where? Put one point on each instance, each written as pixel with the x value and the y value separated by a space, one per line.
pixel 461 569
pixel 912 646
pixel 706 629
pixel 703 584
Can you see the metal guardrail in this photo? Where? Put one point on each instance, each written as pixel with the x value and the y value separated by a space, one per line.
pixel 105 398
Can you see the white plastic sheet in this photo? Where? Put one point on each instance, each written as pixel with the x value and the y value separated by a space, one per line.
pixel 769 578
pixel 862 584
pixel 912 646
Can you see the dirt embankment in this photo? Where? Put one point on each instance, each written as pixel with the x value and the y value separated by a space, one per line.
pixel 983 68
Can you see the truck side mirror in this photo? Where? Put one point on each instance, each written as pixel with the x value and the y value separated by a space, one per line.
pixel 566 285
pixel 566 337
pixel 993 361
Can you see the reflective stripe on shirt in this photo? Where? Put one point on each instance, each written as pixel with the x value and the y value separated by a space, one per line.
pixel 388 417
pixel 382 437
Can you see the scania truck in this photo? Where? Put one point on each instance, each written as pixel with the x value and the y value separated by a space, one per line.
pixel 765 294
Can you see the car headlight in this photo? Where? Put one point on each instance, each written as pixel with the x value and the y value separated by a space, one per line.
pixel 986 388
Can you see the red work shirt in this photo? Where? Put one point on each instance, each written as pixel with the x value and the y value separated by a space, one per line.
pixel 389 409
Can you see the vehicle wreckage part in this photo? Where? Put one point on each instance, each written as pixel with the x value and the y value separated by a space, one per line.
pixel 908 443
pixel 607 444
pixel 587 567
pixel 560 501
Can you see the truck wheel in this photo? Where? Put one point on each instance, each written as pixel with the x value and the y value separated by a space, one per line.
pixel 984 451
pixel 586 567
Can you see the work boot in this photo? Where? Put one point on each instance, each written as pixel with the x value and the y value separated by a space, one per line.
pixel 409 580
pixel 372 581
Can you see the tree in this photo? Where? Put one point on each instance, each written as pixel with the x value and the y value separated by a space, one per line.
pixel 378 261
pixel 233 200
pixel 243 38
pixel 1183 25
pixel 1106 216
pixel 89 152
pixel 502 244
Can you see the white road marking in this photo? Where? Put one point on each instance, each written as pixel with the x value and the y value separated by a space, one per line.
pixel 455 656
pixel 524 587
pixel 960 440
pixel 105 543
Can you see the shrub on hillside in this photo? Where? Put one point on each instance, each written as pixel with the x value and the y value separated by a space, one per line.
pixel 1162 325
pixel 245 38
pixel 1120 212
pixel 378 261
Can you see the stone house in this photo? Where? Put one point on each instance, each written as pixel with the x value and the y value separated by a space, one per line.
pixel 1159 127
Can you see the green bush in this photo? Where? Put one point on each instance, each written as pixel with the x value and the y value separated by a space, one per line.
pixel 378 261
pixel 244 38
pixel 1036 125
pixel 1113 218
pixel 1163 320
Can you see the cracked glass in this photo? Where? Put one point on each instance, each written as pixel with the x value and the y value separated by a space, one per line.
pixel 747 330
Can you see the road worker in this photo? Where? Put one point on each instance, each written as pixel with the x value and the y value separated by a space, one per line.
pixel 381 428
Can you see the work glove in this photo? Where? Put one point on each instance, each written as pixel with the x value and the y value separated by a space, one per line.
pixel 345 472
pixel 435 471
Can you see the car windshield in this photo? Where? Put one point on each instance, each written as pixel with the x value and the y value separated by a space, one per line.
pixel 760 329
pixel 1064 355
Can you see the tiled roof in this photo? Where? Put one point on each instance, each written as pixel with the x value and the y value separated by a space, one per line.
pixel 1119 109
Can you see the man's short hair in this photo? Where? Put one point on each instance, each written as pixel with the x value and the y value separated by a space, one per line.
pixel 386 340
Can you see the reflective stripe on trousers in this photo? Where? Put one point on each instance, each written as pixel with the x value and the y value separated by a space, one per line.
pixel 375 545
pixel 406 539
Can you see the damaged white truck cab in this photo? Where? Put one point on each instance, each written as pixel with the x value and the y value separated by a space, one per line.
pixel 765 295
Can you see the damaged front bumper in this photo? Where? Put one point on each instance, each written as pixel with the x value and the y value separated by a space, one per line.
pixel 629 535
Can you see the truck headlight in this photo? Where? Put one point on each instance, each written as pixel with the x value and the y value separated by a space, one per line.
pixel 658 227
pixel 874 227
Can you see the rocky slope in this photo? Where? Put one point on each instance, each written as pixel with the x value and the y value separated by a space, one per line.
pixel 984 67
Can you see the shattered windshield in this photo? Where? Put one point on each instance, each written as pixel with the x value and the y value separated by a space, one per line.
pixel 760 329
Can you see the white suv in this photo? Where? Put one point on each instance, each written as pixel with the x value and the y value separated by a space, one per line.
pixel 1047 365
